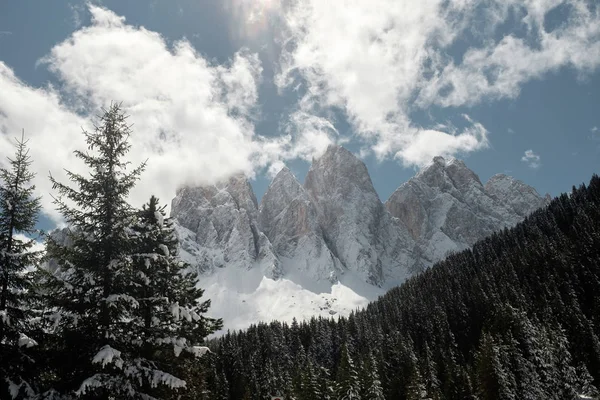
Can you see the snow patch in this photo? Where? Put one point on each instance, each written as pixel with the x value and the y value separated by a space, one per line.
pixel 107 355
pixel 164 249
pixel 243 298
pixel 199 351
pixel 26 341
pixel 114 298
pixel 160 220
pixel 5 317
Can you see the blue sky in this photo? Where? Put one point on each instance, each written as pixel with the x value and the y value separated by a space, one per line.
pixel 216 87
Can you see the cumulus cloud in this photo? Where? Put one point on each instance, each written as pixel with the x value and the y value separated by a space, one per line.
pixel 52 130
pixel 380 61
pixel 426 144
pixel 594 129
pixel 192 119
pixel 499 69
pixel 37 245
pixel 531 159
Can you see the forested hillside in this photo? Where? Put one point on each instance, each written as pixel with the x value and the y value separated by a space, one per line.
pixel 515 317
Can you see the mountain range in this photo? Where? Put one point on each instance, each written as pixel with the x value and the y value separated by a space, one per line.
pixel 331 245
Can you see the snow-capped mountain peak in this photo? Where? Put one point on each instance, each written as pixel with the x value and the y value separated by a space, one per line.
pixel 446 208
pixel 290 220
pixel 305 247
pixel 223 221
pixel 521 198
pixel 356 226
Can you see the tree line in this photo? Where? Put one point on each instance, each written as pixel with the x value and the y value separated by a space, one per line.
pixel 118 315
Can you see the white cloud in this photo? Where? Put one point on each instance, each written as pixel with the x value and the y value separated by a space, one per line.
pixel 426 144
pixel 192 119
pixel 532 159
pixel 378 61
pixel 53 131
pixel 594 129
pixel 307 137
pixel 37 245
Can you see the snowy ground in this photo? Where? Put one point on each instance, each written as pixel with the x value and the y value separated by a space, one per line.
pixel 243 297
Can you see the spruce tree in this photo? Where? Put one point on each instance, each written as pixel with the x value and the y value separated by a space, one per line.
pixel 169 318
pixel 95 302
pixel 373 389
pixel 348 385
pixel 19 210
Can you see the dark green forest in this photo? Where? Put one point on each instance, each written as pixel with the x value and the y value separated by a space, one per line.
pixel 515 317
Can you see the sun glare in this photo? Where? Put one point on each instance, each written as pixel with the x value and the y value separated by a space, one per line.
pixel 255 15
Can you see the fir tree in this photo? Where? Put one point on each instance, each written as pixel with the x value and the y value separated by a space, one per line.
pixel 100 298
pixel 18 215
pixel 373 389
pixel 348 387
pixel 169 318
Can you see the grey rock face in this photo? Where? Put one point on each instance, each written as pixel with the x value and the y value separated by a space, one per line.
pixel 446 208
pixel 62 237
pixel 289 219
pixel 335 225
pixel 223 218
pixel 521 198
pixel 356 226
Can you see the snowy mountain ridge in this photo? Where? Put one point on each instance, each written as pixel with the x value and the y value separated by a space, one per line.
pixel 330 246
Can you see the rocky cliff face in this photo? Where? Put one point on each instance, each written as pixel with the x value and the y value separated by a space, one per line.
pixel 290 220
pixel 521 198
pixel 446 208
pixel 355 224
pixel 336 226
pixel 223 220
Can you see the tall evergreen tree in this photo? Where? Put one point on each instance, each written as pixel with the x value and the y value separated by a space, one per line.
pixel 348 385
pixel 19 210
pixel 109 315
pixel 373 389
pixel 169 318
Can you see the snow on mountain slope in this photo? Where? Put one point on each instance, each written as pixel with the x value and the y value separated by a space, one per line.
pixel 331 246
pixel 245 296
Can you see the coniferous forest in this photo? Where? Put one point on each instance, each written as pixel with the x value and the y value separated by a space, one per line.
pixel 112 313
pixel 515 317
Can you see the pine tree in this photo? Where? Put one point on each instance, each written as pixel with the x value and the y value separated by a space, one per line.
pixel 98 300
pixel 416 389
pixel 584 384
pixel 18 215
pixel 168 319
pixel 374 390
pixel 348 387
